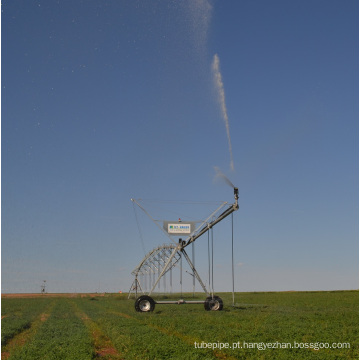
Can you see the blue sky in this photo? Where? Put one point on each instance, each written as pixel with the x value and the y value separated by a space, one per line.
pixel 103 101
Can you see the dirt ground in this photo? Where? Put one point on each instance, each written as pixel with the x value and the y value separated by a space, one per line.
pixel 35 295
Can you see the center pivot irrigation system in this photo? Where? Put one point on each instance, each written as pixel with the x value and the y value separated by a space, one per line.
pixel 161 260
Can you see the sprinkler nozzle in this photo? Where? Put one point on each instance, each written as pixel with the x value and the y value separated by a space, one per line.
pixel 236 193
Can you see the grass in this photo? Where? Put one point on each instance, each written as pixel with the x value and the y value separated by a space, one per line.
pixel 63 335
pixel 18 314
pixel 110 328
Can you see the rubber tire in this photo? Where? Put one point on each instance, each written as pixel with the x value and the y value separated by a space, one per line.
pixel 215 304
pixel 144 303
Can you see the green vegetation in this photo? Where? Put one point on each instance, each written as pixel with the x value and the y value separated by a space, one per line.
pixel 110 328
pixel 61 336
pixel 18 315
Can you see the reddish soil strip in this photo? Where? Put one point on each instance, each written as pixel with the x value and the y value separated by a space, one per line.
pixel 22 338
pixel 17 341
pixel 4 316
pixel 104 348
pixel 36 295
pixel 44 317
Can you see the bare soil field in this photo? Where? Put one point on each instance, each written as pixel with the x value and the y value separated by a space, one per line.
pixel 36 295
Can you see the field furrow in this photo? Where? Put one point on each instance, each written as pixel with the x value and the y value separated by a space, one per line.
pixel 181 336
pixel 25 334
pixel 108 327
pixel 103 346
pixel 135 339
pixel 60 334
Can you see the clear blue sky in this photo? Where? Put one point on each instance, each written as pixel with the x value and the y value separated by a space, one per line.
pixel 103 101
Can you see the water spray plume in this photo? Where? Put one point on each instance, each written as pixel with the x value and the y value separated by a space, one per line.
pixel 219 85
pixel 219 174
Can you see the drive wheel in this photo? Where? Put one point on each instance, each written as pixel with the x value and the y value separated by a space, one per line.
pixel 213 304
pixel 144 303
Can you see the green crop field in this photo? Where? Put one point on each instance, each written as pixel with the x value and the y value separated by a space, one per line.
pixel 288 325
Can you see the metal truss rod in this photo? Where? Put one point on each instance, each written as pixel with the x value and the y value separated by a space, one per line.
pixel 176 249
pixel 222 216
pixel 194 270
pixel 133 200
